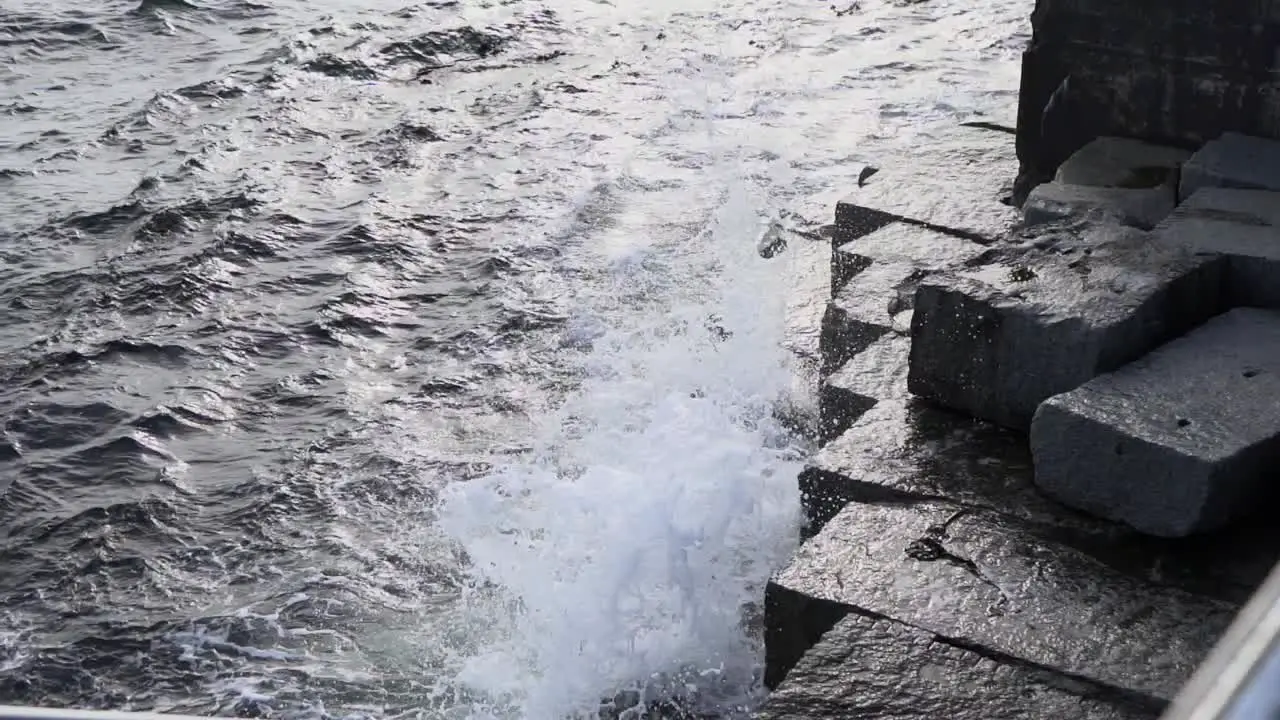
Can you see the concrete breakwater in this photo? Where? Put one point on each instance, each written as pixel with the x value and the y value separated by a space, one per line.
pixel 1046 432
pixel 1050 387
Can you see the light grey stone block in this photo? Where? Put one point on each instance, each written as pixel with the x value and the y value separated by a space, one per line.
pixel 1181 441
pixel 997 341
pixel 874 668
pixel 873 303
pixel 901 243
pixel 1123 163
pixel 1232 161
pixel 1241 225
pixel 1142 208
pixel 982 581
pixel 877 373
pixel 958 182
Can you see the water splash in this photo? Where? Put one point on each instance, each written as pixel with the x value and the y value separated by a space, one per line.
pixel 659 498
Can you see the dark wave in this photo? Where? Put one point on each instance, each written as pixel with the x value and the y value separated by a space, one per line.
pixel 334 66
pixel 43 34
pixel 50 426
pixel 145 7
pixel 210 255
pixel 427 49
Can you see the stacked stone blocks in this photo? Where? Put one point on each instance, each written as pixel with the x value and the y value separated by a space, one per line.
pixel 1019 411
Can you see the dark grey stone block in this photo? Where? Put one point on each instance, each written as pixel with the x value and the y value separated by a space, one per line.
pixel 1141 208
pixel 1233 161
pixel 958 182
pixel 902 450
pixel 877 373
pixel 1183 72
pixel 997 341
pixel 900 242
pixel 981 581
pixel 1182 441
pixel 1240 225
pixel 1123 163
pixel 875 668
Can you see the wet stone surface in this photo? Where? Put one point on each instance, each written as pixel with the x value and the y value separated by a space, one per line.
pixel 1123 163
pixel 1142 208
pixel 984 581
pixel 905 450
pixel 872 667
pixel 1076 301
pixel 900 242
pixel 959 183
pixel 1241 225
pixel 1232 161
pixel 872 304
pixel 875 374
pixel 1179 442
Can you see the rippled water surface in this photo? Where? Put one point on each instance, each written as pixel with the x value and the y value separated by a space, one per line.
pixel 384 359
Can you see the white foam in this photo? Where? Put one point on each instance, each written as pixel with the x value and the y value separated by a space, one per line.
pixel 659 498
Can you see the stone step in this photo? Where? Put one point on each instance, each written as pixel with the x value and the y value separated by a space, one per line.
pixel 956 182
pixel 876 668
pixel 1235 161
pixel 998 340
pixel 903 450
pixel 877 373
pixel 1182 441
pixel 983 581
pixel 1241 225
pixel 900 242
pixel 877 301
pixel 1142 208
pixel 1123 163
pixel 1133 182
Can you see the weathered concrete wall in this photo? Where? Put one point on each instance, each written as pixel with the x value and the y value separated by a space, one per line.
pixel 1180 72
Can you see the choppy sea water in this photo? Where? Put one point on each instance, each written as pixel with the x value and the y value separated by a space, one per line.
pixel 386 359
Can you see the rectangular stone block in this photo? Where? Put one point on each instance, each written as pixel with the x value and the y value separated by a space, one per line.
pixel 875 668
pixel 902 243
pixel 1184 440
pixel 1117 162
pixel 1242 226
pixel 1142 208
pixel 877 373
pixel 958 182
pixel 981 581
pixel 1232 161
pixel 997 341
pixel 903 449
pixel 875 302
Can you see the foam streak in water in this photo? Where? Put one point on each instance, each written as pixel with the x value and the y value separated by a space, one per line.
pixel 660 499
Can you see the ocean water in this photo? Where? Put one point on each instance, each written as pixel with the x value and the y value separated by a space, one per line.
pixel 383 359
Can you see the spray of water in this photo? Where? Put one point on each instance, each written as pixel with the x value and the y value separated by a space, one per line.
pixel 627 545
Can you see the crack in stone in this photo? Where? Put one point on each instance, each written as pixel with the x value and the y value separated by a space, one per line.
pixel 929 548
pixel 1077 685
